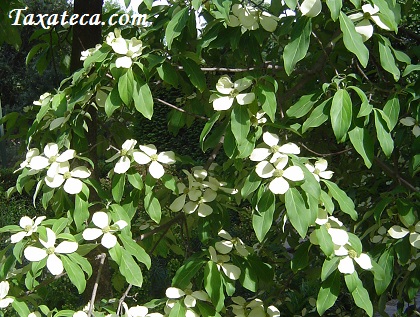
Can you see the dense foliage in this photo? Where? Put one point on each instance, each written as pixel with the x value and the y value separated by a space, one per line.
pixel 304 202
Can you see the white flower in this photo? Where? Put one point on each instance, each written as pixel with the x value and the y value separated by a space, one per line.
pixel 29 155
pixel 125 154
pixel 203 209
pixel 227 245
pixel 102 221
pixel 89 52
pixel 255 308
pixel 71 179
pixel 411 122
pixel 230 270
pixel 271 146
pixel 43 98
pixel 191 297
pixel 258 118
pixel 35 314
pixel 346 265
pixel 398 232
pixel 311 8
pixel 4 299
pixel 364 27
pixel 250 17
pixel 135 311
pixel 28 225
pixel 80 313
pixel 130 48
pixel 231 91
pixel 51 158
pixel 149 154
pixel 279 185
pixel 54 263
pixel 320 169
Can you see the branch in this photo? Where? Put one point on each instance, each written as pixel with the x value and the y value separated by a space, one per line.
pixel 214 153
pixel 267 65
pixel 390 172
pixel 100 257
pixel 181 110
pixel 123 298
pixel 410 33
pixel 162 227
pixel 325 154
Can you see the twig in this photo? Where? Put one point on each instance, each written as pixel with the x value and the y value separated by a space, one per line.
pixel 237 70
pixel 325 154
pixel 100 257
pixel 162 227
pixel 214 153
pixel 181 110
pixel 390 172
pixel 123 298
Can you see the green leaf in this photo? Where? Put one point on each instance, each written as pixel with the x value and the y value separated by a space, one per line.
pixel 335 8
pixel 130 270
pixel 143 100
pixel 20 307
pixel 194 73
pixel 302 106
pixel 213 285
pixel 176 25
pixel 240 123
pixel 386 262
pixel 411 68
pixel 113 102
pixel 341 114
pixel 329 266
pixel 126 86
pixel 382 132
pixel 296 211
pixel 81 208
pixel 252 182
pixel 318 116
pixel 363 144
pixel 301 256
pixel 81 261
pixel 135 179
pixel 298 46
pixel 266 95
pixel 346 204
pixel 325 240
pixel 178 310
pixel 207 128
pixel 362 299
pixel 118 183
pixel 365 107
pixel 135 250
pixel 390 12
pixel 328 293
pixel 153 208
pixel 186 272
pixel 387 60
pixel 392 111
pixel 75 273
pixel 168 73
pixel 262 221
pixel 352 40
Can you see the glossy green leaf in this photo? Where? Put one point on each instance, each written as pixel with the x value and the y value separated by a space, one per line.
pixel 240 123
pixel 329 266
pixel 325 240
pixel 301 256
pixel 194 73
pixel 302 106
pixel 392 111
pixel 318 116
pixel 346 204
pixel 126 86
pixel 386 261
pixel 118 183
pixel 335 8
pixel 153 208
pixel 266 95
pixel 296 211
pixel 168 73
pixel 207 128
pixel 262 221
pixel 143 100
pixel 341 114
pixel 135 250
pixel 362 299
pixel 411 68
pixel 213 285
pixel 75 273
pixel 365 107
pixel 176 25
pixel 113 102
pixel 387 60
pixel 382 132
pixel 363 144
pixel 298 46
pixel 252 182
pixel 129 269
pixel 353 40
pixel 328 293
pixel 186 272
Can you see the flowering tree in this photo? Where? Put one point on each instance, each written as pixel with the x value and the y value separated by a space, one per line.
pixel 310 119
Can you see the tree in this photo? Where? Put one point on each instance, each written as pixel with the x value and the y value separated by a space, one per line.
pixel 310 117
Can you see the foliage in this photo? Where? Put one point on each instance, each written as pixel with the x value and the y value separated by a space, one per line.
pixel 313 117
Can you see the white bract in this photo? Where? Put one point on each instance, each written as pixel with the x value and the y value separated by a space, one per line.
pixel 364 27
pixel 193 191
pixel 255 308
pixel 190 297
pixel 227 245
pixel 50 251
pixel 124 154
pixel 51 158
pixel 279 183
pixel 230 270
pixel 320 169
pixel 71 179
pixel 231 91
pixel 44 98
pixel 80 313
pixel 130 48
pixel 102 221
pixel 148 154
pixel 249 18
pixel 311 8
pixel 271 146
pixel 398 232
pixel 28 225
pixel 411 122
pixel 29 155
pixel 4 299
pixel 136 311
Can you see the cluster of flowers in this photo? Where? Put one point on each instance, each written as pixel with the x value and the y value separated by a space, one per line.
pixel 202 189
pixel 254 308
pixel 189 297
pixel 58 168
pixel 145 155
pixel 342 245
pixel 250 18
pixel 228 92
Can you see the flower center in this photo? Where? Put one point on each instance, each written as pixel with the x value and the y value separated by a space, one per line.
pixel 52 159
pixel 28 228
pixel 366 15
pixel 278 173
pixel 352 254
pixel 50 250
pixel 66 175
pixel 130 53
pixel 317 171
pixel 328 225
pixel 186 191
pixel 123 152
pixel 106 229
pixel 234 93
pixel 275 148
pixel 154 157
